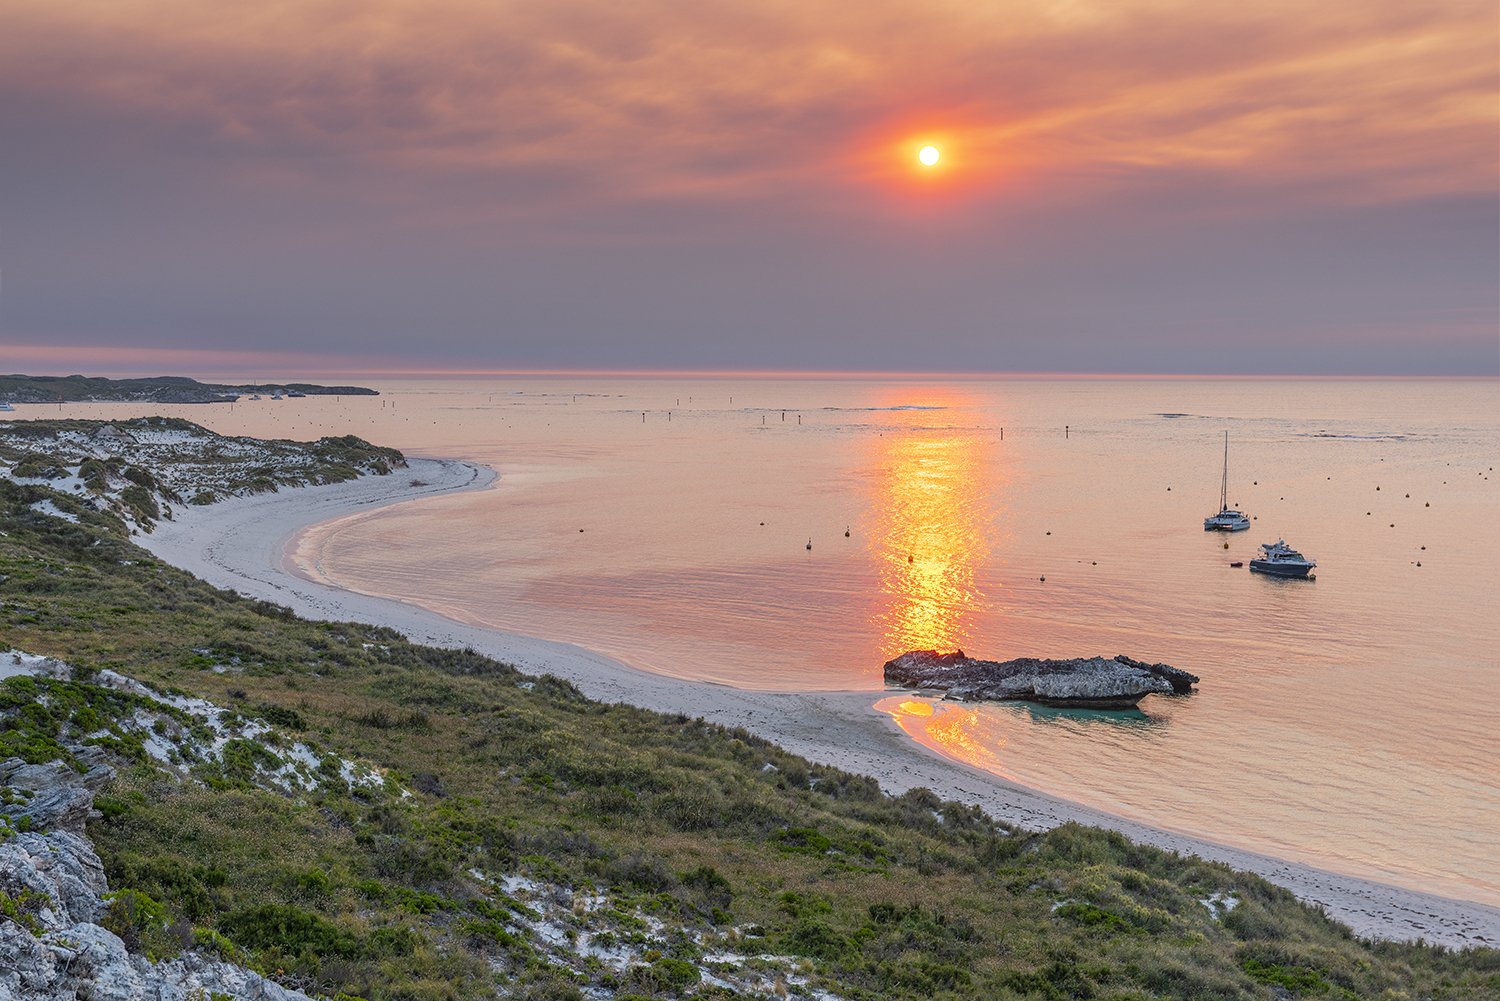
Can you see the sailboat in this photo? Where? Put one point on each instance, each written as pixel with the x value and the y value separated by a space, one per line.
pixel 1227 520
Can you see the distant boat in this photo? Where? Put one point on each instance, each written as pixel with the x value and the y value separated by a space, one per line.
pixel 255 396
pixel 1281 560
pixel 292 393
pixel 6 407
pixel 276 395
pixel 1227 520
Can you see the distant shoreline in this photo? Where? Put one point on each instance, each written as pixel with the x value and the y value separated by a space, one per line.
pixel 49 389
pixel 244 544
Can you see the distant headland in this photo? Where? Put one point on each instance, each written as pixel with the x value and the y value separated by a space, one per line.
pixel 158 389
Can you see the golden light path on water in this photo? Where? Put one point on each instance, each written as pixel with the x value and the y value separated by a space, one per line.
pixel 949 729
pixel 929 538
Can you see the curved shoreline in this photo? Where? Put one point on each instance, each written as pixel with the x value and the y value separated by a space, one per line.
pixel 242 544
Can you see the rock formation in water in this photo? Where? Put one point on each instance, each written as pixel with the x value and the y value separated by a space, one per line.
pixel 1082 682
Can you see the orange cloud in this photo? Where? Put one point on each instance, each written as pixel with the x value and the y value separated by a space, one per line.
pixel 655 100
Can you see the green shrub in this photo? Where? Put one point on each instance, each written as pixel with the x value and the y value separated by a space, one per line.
pixel 140 922
pixel 291 931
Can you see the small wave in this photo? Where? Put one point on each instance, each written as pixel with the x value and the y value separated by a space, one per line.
pixel 840 410
pixel 1353 437
pixel 872 410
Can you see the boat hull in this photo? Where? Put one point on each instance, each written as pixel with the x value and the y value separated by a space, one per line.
pixel 1279 569
pixel 1213 526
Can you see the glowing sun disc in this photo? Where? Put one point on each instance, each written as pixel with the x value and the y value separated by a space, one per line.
pixel 928 155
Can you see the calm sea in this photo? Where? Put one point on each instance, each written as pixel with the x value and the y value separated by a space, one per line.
pixel 1349 721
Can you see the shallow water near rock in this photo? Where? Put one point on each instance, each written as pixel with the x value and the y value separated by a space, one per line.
pixel 1345 721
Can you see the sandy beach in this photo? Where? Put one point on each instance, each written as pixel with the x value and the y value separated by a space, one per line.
pixel 243 544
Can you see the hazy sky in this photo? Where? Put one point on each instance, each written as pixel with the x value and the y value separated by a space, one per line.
pixel 1133 185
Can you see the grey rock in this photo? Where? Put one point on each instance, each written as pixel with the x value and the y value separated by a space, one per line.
pixel 60 866
pixel 61 798
pixel 1084 682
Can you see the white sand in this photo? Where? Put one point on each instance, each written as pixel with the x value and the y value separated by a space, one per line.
pixel 242 544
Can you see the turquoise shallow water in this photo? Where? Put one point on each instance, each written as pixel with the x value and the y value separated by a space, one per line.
pixel 1347 721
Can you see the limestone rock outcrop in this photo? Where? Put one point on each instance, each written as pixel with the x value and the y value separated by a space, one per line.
pixel 1081 682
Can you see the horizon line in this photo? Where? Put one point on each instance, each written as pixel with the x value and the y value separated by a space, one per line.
pixel 324 371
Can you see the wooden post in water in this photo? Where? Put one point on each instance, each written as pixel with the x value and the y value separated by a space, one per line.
pixel 1065 432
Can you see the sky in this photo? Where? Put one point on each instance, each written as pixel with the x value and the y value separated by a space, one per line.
pixel 1171 186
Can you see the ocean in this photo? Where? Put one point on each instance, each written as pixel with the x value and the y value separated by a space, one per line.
pixel 1346 721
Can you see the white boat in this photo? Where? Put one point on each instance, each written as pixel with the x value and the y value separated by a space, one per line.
pixel 1227 520
pixel 254 396
pixel 6 407
pixel 276 395
pixel 1281 560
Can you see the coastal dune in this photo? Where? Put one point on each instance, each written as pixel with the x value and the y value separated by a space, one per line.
pixel 244 544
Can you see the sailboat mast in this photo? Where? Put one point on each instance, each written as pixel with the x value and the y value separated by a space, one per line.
pixel 1224 486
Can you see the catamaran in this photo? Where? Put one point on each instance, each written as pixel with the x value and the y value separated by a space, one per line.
pixel 1227 520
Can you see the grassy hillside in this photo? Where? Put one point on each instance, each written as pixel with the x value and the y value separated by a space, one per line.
pixel 140 469
pixel 524 841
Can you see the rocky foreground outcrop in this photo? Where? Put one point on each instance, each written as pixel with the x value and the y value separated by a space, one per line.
pixel 1081 682
pixel 52 888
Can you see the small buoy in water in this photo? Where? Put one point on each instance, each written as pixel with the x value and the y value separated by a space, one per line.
pixel 1377 488
pixel 1169 489
pixel 1424 547
pixel 762 524
pixel 809 545
pixel 1094 563
pixel 1428 504
pixel 1238 563
pixel 580 531
pixel 1393 524
pixel 1049 533
pixel 911 559
pixel 1255 483
pixel 846 533
pixel 1042 579
pixel 1419 562
pixel 1226 545
pixel 1408 495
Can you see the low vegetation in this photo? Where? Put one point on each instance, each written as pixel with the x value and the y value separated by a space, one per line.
pixel 510 837
pixel 140 469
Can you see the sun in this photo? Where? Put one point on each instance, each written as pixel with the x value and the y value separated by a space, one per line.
pixel 929 155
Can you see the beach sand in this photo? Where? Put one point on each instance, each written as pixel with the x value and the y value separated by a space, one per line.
pixel 243 544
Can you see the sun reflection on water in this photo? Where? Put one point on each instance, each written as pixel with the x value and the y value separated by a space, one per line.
pixel 930 536
pixel 956 731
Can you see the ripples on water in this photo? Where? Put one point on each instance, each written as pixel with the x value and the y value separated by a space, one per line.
pixel 1347 721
